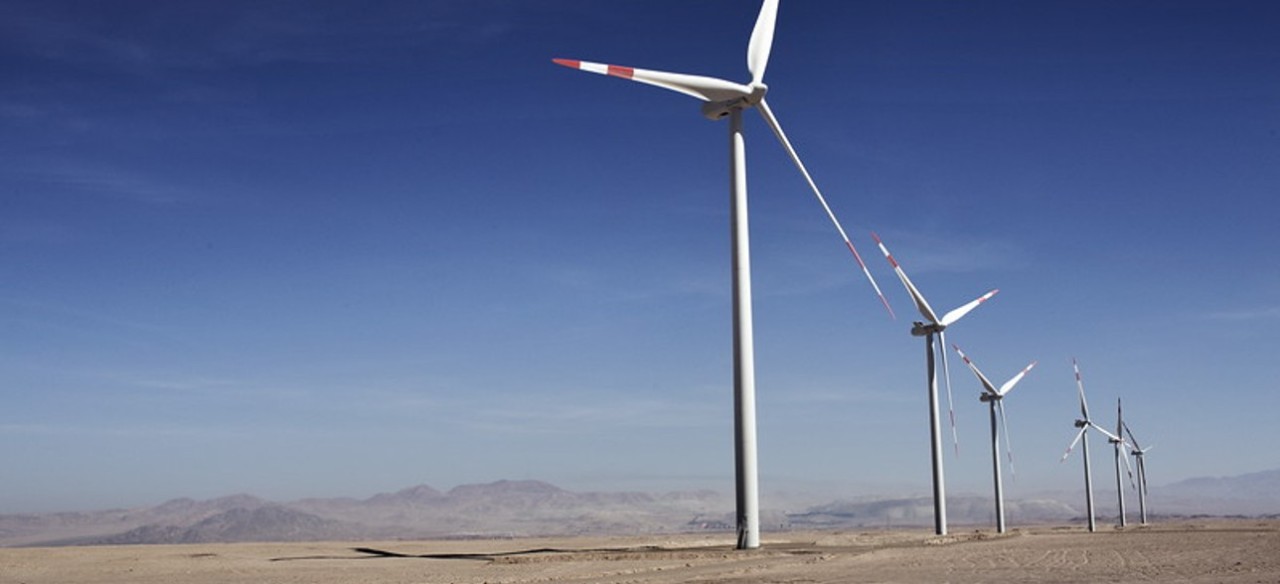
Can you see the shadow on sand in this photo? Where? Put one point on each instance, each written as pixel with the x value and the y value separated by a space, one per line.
pixel 565 553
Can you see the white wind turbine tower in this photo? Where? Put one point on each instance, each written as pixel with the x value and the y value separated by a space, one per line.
pixel 934 326
pixel 1118 441
pixel 995 399
pixel 728 99
pixel 1139 457
pixel 1084 424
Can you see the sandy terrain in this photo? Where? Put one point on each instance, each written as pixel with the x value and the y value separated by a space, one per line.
pixel 1242 551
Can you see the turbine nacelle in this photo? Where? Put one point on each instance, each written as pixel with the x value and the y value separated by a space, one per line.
pixel 920 329
pixel 1082 423
pixel 986 397
pixel 716 110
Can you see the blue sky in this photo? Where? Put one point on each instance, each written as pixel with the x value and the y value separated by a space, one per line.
pixel 322 249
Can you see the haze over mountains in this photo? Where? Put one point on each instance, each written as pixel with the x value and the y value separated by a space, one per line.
pixel 521 508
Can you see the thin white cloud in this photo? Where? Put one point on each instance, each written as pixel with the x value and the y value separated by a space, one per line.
pixel 62 318
pixel 35 231
pixel 805 398
pixel 670 279
pixel 174 384
pixel 18 112
pixel 233 34
pixel 1246 314
pixel 129 430
pixel 38 31
pixel 576 412
pixel 921 253
pixel 116 184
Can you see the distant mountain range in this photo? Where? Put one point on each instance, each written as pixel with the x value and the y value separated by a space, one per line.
pixel 1249 494
pixel 500 509
pixel 520 508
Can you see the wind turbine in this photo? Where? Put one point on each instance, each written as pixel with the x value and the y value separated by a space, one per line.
pixel 1139 457
pixel 995 399
pixel 1118 441
pixel 1083 435
pixel 935 326
pixel 728 99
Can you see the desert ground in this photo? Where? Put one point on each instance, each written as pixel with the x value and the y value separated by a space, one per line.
pixel 1244 551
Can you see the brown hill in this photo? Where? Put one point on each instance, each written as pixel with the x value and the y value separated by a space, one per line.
pixel 263 523
pixel 526 508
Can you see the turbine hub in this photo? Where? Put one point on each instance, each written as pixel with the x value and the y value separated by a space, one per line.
pixel 715 110
pixel 920 329
pixel 1082 423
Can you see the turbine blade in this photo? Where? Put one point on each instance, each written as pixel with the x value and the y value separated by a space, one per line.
pixel 1079 435
pixel 1106 432
pixel 762 41
pixel 946 372
pixel 1084 406
pixel 921 304
pixel 772 121
pixel 1119 419
pixel 1140 467
pixel 1008 444
pixel 1133 439
pixel 1128 468
pixel 958 313
pixel 1008 385
pixel 697 86
pixel 986 383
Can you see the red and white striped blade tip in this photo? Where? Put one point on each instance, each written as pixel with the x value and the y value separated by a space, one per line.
pixel 696 86
pixel 601 68
pixel 921 304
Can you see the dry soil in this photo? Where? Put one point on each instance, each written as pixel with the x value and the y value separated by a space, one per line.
pixel 1240 551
